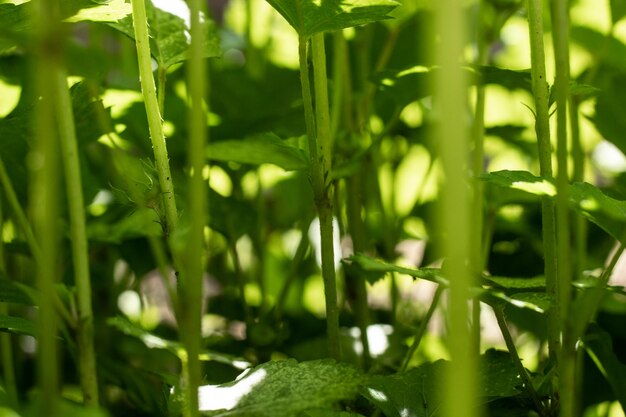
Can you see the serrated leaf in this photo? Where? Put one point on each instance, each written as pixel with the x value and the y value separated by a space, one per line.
pixel 378 268
pixel 599 346
pixel 282 389
pixel 17 325
pixel 418 392
pixel 309 17
pixel 168 26
pixel 261 149
pixel 535 283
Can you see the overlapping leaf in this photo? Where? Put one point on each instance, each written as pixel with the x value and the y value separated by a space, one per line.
pixel 309 17
pixel 262 149
pixel 168 25
pixel 282 389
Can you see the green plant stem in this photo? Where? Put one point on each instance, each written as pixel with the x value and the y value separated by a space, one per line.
pixel 162 72
pixel 453 137
pixel 567 360
pixel 578 159
pixel 44 198
pixel 6 345
pixel 18 213
pixel 421 330
pixel 340 51
pixel 324 200
pixel 356 282
pixel 198 195
pixel 155 125
pixel 78 238
pixel 510 344
pixel 542 128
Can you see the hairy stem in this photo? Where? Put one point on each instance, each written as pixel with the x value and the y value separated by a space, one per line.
pixel 155 123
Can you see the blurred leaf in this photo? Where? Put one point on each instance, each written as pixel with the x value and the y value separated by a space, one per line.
pixel 329 413
pixel 282 389
pixel 509 79
pixel 606 49
pixel 17 325
pixel 168 27
pixel 141 222
pixel 13 292
pixel 618 10
pixel 405 86
pixel 261 149
pixel 609 110
pixel 14 26
pixel 599 346
pixel 153 341
pixel 231 216
pixel 309 17
pixel 606 212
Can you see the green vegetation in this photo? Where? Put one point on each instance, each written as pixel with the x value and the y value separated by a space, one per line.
pixel 312 208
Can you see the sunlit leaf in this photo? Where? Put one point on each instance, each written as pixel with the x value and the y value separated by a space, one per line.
pixel 84 10
pixel 262 149
pixel 536 283
pixel 168 26
pixel 282 389
pixel 309 17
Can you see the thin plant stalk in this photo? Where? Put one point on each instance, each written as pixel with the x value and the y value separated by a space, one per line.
pixel 542 128
pixel 44 197
pixel 78 238
pixel 510 344
pixel 324 201
pixel 155 123
pixel 318 132
pixel 6 344
pixel 567 360
pixel 357 282
pixel 454 136
pixel 198 196
pixel 422 329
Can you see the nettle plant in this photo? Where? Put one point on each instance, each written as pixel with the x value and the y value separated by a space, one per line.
pixel 299 208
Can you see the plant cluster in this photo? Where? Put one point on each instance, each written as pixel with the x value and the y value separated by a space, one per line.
pixel 298 208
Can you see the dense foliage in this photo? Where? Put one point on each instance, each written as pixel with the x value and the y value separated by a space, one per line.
pixel 245 202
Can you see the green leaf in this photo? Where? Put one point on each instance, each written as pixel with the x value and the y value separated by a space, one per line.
pixel 168 26
pixel 606 49
pixel 417 392
pixel 17 325
pixel 309 17
pixel 536 283
pixel 618 10
pixel 599 346
pixel 13 292
pixel 329 413
pixel 609 110
pixel 407 85
pixel 85 10
pixel 375 269
pixel 587 199
pixel 153 341
pixel 261 149
pixel 282 389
